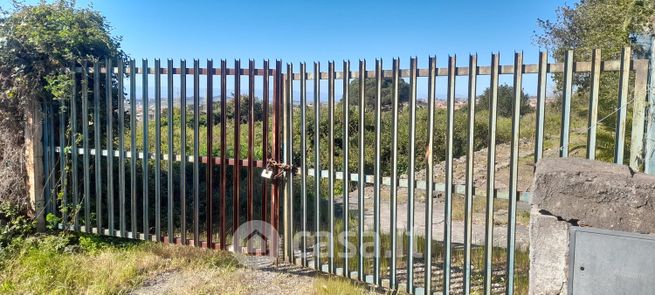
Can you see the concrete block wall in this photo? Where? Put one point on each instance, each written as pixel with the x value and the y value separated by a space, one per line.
pixel 576 192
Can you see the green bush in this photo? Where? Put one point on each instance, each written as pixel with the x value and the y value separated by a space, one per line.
pixel 13 223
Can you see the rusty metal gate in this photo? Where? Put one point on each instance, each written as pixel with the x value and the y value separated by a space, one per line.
pixel 207 189
pixel 107 144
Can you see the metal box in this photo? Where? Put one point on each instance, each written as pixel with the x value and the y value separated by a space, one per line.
pixel 611 262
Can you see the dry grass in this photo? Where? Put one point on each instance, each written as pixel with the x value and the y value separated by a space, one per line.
pixel 330 285
pixel 62 265
pixel 200 281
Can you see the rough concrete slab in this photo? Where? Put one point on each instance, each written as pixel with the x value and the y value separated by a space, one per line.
pixel 596 194
pixel 549 248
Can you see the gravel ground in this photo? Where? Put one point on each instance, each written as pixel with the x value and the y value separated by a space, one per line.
pixel 268 279
pixel 275 280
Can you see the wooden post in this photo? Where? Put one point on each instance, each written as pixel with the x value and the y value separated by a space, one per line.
pixel 34 161
pixel 639 109
pixel 649 155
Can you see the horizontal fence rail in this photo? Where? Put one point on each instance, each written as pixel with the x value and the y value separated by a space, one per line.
pixel 368 158
pixel 418 184
pixel 577 67
pixel 166 157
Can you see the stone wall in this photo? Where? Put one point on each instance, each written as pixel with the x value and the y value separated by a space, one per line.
pixel 577 192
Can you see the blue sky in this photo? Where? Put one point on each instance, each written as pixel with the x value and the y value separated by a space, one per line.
pixel 310 31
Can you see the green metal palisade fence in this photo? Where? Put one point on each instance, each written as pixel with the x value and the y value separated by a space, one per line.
pixel 134 172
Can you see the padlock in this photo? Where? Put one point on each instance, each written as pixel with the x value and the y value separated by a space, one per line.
pixel 267 173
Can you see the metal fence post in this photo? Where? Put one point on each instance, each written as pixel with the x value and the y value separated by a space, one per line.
pixel 288 158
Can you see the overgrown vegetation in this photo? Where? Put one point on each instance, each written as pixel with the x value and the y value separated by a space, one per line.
pixel 38 43
pixel 13 223
pixel 87 264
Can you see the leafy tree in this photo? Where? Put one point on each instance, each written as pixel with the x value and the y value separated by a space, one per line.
pixel 40 42
pixel 605 24
pixel 38 45
pixel 505 100
pixel 244 109
pixel 608 25
pixel 370 91
pixel 244 112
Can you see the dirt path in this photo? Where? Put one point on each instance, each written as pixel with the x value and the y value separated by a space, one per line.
pixel 274 280
pixel 478 227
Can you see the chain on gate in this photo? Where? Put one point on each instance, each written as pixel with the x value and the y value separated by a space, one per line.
pixel 282 169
